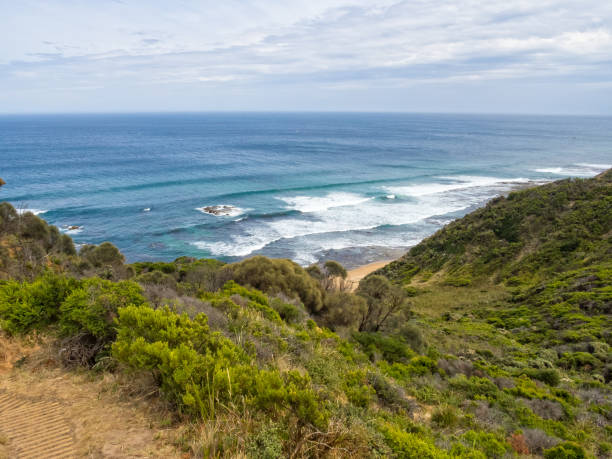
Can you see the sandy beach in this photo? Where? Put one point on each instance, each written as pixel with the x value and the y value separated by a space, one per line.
pixel 355 275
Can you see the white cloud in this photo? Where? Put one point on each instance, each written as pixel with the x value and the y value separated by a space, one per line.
pixel 351 44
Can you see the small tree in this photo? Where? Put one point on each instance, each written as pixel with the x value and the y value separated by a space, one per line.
pixel 384 301
pixel 343 309
pixel 331 277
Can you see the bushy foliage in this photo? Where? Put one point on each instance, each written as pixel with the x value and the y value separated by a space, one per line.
pixel 343 309
pixel 289 312
pixel 280 276
pixel 202 371
pixel 410 445
pixel 92 308
pixel 489 443
pixel 567 450
pixel 378 345
pixel 25 306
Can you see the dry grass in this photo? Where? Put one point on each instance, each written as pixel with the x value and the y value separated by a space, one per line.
pixel 12 350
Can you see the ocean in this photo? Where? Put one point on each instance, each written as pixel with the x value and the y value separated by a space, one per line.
pixel 306 186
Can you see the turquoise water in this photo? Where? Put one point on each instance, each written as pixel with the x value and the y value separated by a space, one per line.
pixel 356 187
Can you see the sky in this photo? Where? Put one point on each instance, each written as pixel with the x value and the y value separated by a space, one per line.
pixel 462 56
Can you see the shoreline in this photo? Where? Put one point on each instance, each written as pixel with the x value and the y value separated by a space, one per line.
pixel 355 275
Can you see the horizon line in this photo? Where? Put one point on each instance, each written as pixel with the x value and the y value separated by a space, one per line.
pixel 264 111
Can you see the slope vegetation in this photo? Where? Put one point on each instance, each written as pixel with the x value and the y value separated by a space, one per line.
pixel 489 339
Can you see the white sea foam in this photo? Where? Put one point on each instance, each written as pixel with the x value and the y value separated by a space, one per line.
pixel 460 182
pixel 340 220
pixel 258 234
pixel 221 210
pixel 34 211
pixel 237 245
pixel 71 229
pixel 390 196
pixel 307 204
pixel 575 170
pixel 601 167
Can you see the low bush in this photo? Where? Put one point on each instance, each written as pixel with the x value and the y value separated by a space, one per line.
pixel 474 387
pixel 548 376
pixel 279 276
pixel 343 309
pixel 445 416
pixel 290 313
pixel 25 306
pixel 409 445
pixel 489 443
pixel 567 450
pixel 201 371
pixel 92 308
pixel 357 389
pixel 378 345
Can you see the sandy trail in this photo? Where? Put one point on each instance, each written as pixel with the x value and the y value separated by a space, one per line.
pixel 355 275
pixel 35 429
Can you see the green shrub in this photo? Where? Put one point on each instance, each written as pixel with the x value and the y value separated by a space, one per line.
pixel 201 372
pixel 567 450
pixel 460 450
pixel 388 347
pixel 335 269
pixel 357 389
pixel 33 227
pixel 257 300
pixel 474 386
pixel 488 443
pixel 578 360
pixel 267 443
pixel 549 376
pixel 25 306
pixel 156 278
pixel 280 276
pixel 445 416
pixel 409 445
pixel 343 309
pixel 387 392
pixel 422 365
pixel 413 336
pixel 458 281
pixel 105 254
pixel 92 308
pixel 290 313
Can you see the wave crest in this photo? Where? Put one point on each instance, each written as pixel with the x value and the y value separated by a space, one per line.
pixel 575 170
pixel 310 204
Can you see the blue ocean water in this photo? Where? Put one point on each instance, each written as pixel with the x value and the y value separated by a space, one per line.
pixel 309 186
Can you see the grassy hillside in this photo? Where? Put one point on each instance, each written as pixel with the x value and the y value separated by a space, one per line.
pixel 527 236
pixel 492 340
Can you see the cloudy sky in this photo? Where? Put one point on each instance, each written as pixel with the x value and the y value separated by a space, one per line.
pixel 500 56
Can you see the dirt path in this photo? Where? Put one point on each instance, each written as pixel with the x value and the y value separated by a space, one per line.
pixel 35 429
pixel 47 411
